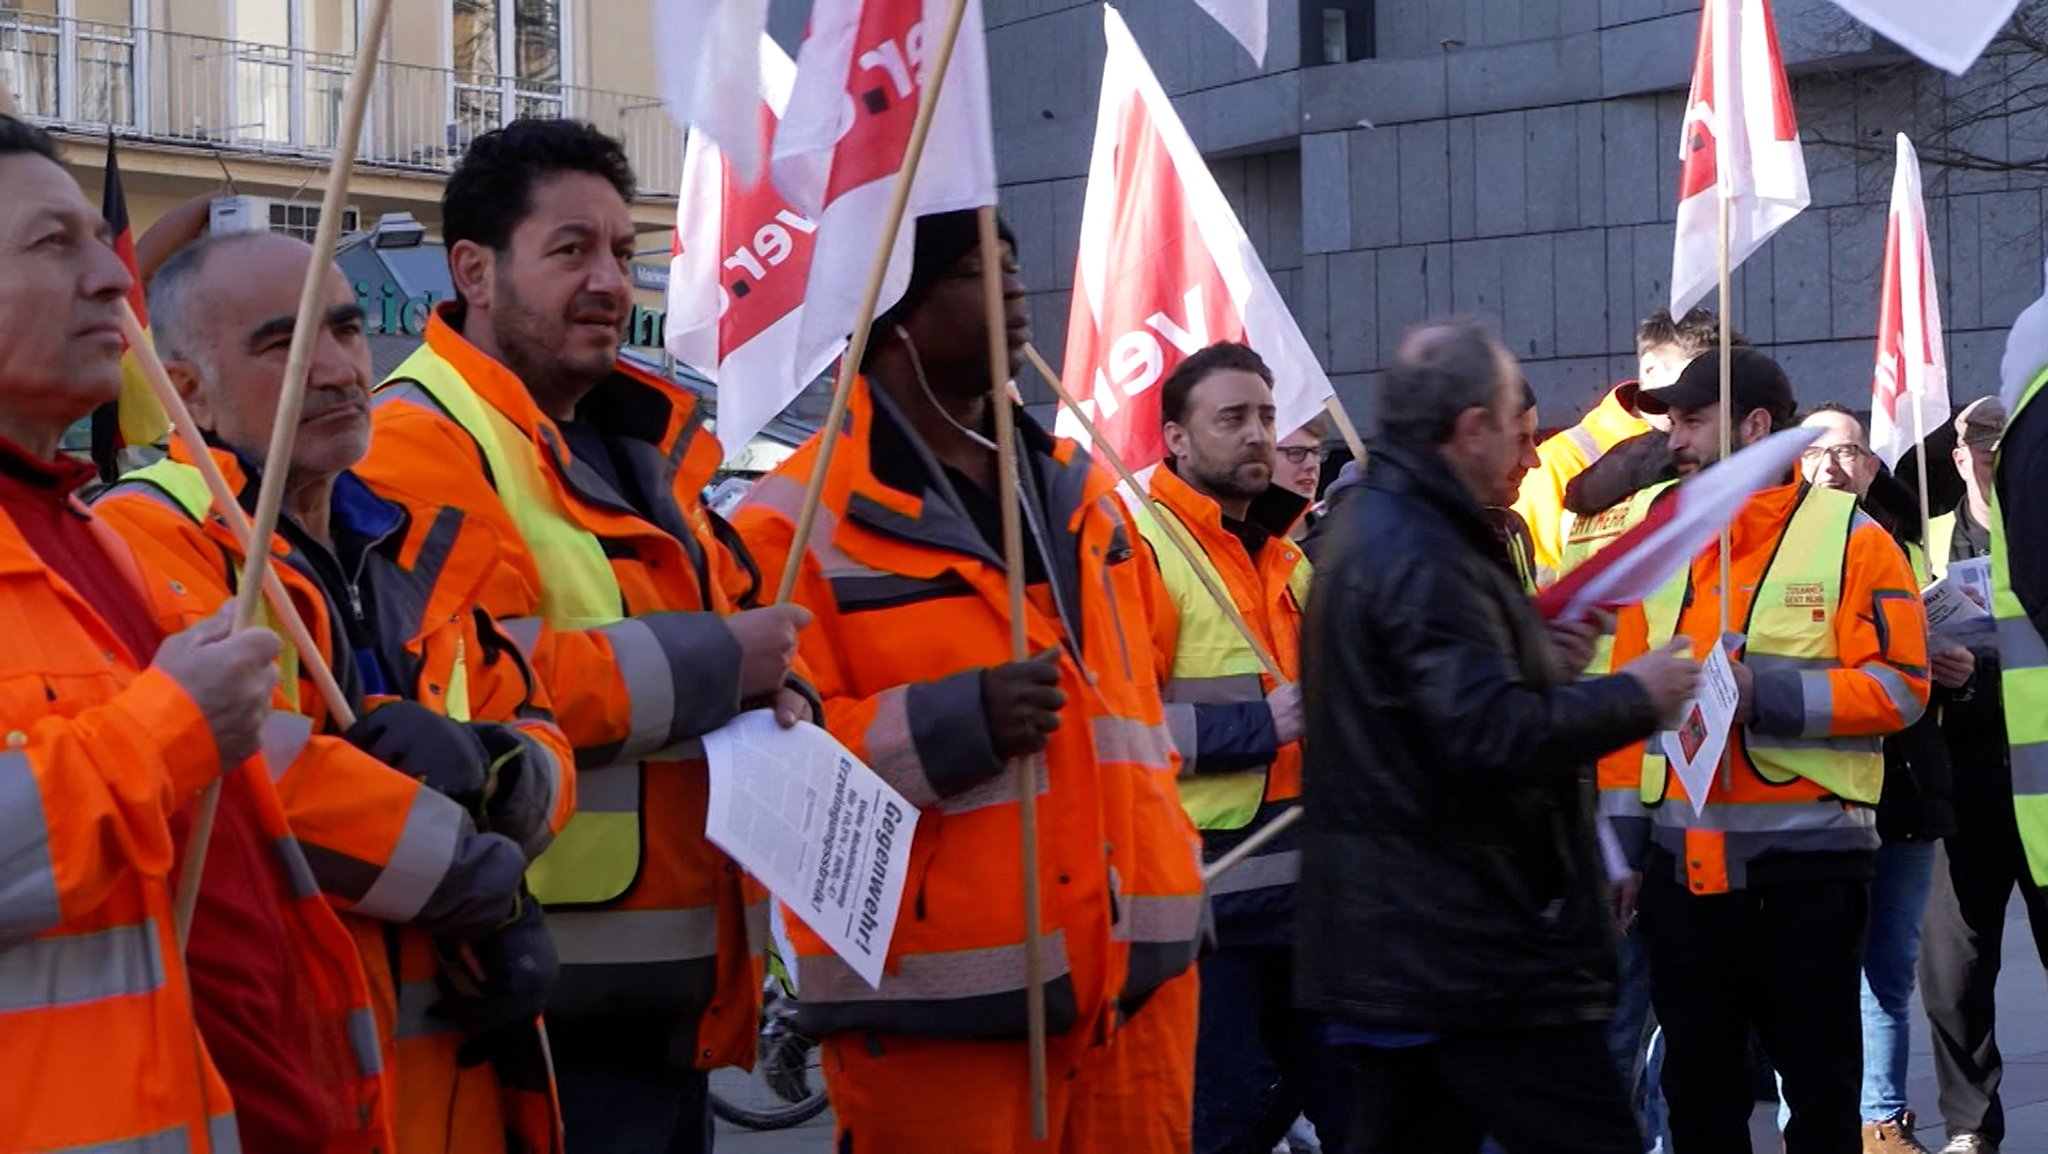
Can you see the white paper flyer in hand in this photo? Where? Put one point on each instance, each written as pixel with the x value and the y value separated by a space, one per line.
pixel 1974 576
pixel 821 830
pixel 1954 617
pixel 1695 747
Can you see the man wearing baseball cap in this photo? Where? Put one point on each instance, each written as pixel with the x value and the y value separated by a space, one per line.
pixel 1976 870
pixel 1754 906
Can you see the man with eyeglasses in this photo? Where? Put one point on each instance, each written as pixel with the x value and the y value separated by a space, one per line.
pixel 1915 811
pixel 1298 468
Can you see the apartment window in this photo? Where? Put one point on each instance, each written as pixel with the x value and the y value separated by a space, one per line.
pixel 292 60
pixel 507 60
pixel 1337 31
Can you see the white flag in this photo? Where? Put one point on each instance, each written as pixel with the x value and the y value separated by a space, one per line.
pixel 1912 362
pixel 1244 19
pixel 710 71
pixel 1948 34
pixel 844 134
pixel 1740 143
pixel 736 280
pixel 1164 270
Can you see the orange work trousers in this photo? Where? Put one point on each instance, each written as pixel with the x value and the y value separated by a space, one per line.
pixel 1134 1094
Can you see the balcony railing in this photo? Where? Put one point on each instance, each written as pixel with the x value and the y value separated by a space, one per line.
pixel 237 96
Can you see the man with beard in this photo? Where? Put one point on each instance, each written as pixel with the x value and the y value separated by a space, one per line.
pixel 1239 733
pixel 627 597
pixel 1454 919
pixel 1753 908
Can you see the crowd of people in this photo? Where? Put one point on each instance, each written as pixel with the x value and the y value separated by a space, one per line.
pixel 459 899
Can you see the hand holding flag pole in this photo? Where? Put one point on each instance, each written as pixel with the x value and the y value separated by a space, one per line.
pixel 857 340
pixel 291 401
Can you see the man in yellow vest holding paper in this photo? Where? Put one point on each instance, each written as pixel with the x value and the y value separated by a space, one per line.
pixel 622 588
pixel 1238 730
pixel 2019 586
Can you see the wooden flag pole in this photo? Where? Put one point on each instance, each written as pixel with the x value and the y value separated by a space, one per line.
pixel 1352 440
pixel 1251 845
pixel 270 495
pixel 857 340
pixel 1727 406
pixel 1174 531
pixel 1920 456
pixel 274 594
pixel 1026 768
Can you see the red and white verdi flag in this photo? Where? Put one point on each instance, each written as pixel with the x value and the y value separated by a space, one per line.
pixel 1164 269
pixel 1741 144
pixel 859 76
pixel 1912 362
pixel 736 280
pixel 708 67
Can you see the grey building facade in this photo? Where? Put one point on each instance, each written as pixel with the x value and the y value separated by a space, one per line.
pixel 1517 160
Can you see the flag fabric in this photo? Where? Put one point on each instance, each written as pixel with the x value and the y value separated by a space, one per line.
pixel 1244 19
pixel 1950 34
pixel 137 418
pixel 1912 361
pixel 736 279
pixel 708 65
pixel 1677 530
pixel 1740 143
pixel 1164 270
pixel 843 137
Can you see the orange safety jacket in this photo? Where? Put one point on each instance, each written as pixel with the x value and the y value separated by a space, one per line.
pixel 911 604
pixel 1836 639
pixel 361 815
pixel 1203 661
pixel 1564 456
pixel 101 1050
pixel 665 922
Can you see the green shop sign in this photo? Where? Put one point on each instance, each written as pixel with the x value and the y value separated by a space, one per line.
pixel 387 311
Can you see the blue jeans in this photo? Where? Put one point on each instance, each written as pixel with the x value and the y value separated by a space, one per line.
pixel 1636 1042
pixel 1891 958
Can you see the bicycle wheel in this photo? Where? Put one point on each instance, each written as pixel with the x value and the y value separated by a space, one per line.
pixel 785 1089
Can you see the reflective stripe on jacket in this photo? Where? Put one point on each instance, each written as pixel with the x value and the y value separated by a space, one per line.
pixel 2023 670
pixel 1837 643
pixel 101 1051
pixel 647 915
pixel 911 604
pixel 385 848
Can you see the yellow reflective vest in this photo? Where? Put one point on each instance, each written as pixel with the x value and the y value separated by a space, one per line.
pixel 2023 672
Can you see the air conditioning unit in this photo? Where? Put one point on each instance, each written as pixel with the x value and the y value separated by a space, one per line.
pixel 270 214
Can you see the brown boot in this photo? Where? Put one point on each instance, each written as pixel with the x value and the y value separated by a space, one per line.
pixel 1892 1137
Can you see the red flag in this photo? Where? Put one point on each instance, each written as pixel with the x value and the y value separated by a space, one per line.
pixel 136 418
pixel 1740 143
pixel 843 138
pixel 1912 361
pixel 1164 270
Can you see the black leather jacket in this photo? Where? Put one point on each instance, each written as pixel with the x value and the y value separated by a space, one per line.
pixel 1451 877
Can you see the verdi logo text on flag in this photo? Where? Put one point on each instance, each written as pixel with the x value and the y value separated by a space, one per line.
pixel 1164 270
pixel 861 71
pixel 1912 359
pixel 1740 143
pixel 736 280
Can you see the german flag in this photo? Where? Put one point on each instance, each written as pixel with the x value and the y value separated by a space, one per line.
pixel 137 418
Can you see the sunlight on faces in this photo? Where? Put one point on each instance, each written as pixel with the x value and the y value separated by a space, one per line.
pixel 1696 435
pixel 949 326
pixel 1484 445
pixel 1975 463
pixel 1525 457
pixel 1296 463
pixel 1841 459
pixel 60 291
pixel 1224 445
pixel 246 297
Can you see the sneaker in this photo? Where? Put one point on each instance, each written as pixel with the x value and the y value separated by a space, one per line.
pixel 1894 1136
pixel 1970 1144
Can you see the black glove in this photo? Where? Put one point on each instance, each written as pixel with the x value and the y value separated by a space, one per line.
pixel 497 983
pixel 414 740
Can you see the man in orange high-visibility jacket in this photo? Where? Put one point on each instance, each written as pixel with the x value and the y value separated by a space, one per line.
pixel 625 592
pixel 390 600
pixel 111 730
pixel 1663 347
pixel 1753 911
pixel 1239 736
pixel 912 653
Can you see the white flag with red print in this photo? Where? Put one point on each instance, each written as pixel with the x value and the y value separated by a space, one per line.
pixel 1164 269
pixel 736 279
pixel 859 76
pixel 1948 34
pixel 1912 361
pixel 1244 19
pixel 1741 144
pixel 707 65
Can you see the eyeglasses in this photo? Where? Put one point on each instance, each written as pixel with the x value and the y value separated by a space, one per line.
pixel 1843 455
pixel 1298 454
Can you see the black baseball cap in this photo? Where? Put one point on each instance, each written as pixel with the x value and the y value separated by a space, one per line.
pixel 1755 382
